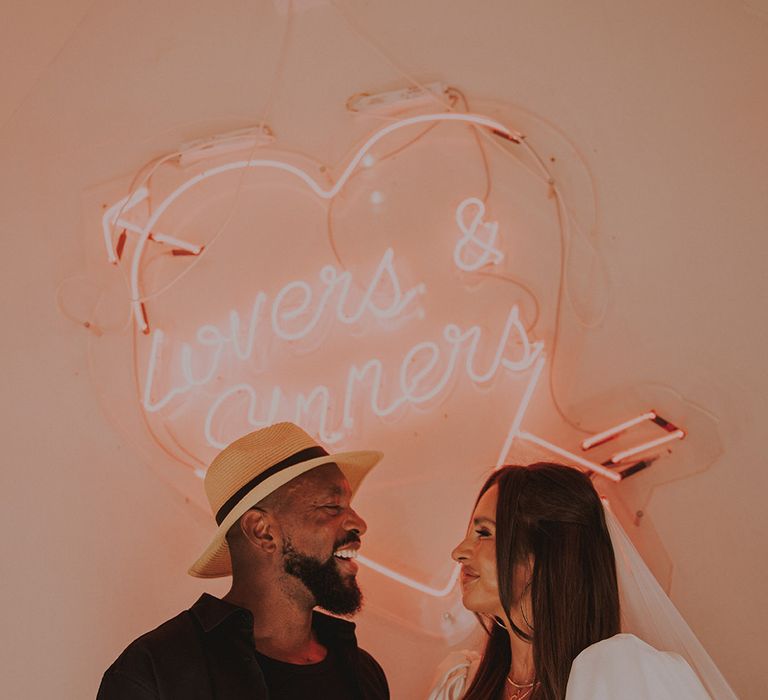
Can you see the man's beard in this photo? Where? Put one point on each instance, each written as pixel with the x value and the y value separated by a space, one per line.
pixel 334 592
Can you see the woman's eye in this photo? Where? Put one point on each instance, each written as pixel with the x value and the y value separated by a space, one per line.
pixel 482 532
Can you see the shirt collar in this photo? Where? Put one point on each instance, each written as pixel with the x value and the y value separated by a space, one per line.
pixel 211 611
pixel 329 627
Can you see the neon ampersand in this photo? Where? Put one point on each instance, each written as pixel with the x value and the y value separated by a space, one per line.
pixel 479 236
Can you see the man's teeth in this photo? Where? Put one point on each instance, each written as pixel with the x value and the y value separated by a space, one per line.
pixel 346 554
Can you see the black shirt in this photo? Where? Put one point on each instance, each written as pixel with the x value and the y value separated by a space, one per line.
pixel 328 678
pixel 207 653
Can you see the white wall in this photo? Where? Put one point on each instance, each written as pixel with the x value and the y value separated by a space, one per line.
pixel 666 100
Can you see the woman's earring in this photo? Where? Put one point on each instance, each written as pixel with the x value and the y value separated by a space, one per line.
pixel 525 619
pixel 497 620
pixel 522 608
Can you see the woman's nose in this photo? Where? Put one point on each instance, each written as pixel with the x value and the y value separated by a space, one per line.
pixel 459 552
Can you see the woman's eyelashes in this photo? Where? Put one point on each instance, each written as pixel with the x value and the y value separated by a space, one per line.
pixel 483 532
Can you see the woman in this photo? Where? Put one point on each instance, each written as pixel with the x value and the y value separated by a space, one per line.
pixel 538 568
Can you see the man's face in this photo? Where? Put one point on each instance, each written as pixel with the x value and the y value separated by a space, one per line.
pixel 321 535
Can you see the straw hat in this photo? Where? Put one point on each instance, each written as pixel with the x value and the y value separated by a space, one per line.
pixel 254 466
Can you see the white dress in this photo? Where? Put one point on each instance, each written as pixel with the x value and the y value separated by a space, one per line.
pixel 620 668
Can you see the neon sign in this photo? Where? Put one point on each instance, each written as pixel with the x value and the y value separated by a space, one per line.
pixel 286 322
pixel 214 378
pixel 482 246
pixel 114 213
pixel 435 363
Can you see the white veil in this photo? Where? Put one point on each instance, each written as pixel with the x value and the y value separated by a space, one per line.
pixel 648 613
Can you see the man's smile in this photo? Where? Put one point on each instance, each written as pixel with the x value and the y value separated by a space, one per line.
pixel 345 557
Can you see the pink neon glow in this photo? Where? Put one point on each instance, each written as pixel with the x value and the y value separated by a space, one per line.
pixel 490 254
pixel 332 280
pixel 177 243
pixel 414 388
pixel 615 430
pixel 321 192
pixel 514 430
pixel 618 457
pixel 159 237
pixel 412 583
pixel 113 219
pixel 109 219
pixel 599 468
pixel 427 367
pixel 333 299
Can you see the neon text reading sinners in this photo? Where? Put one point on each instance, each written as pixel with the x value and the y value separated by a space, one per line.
pixel 296 311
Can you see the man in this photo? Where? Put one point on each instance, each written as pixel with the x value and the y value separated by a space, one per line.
pixel 288 536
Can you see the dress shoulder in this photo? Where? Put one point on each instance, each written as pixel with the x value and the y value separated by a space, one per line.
pixel 626 667
pixel 454 675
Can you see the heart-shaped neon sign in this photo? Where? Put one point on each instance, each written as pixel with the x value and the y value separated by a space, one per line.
pixel 113 215
pixel 413 333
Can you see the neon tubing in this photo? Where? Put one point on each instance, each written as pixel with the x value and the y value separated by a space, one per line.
pixel 489 254
pixel 610 432
pixel 416 387
pixel 111 215
pixel 213 341
pixel 592 466
pixel 495 126
pixel 411 583
pixel 159 237
pixel 619 456
pixel 177 243
pixel 514 430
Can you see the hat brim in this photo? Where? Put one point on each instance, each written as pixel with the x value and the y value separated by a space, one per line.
pixel 215 561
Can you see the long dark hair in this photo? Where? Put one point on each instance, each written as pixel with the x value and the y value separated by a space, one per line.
pixel 552 512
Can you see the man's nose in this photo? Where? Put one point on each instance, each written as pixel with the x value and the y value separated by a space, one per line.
pixel 354 522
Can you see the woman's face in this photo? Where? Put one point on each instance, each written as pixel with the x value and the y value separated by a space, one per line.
pixel 477 556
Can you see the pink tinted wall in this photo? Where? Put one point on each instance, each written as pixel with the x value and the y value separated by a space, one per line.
pixel 667 105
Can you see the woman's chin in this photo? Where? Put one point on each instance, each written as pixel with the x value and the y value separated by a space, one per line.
pixel 473 605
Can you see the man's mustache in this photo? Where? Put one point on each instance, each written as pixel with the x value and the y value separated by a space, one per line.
pixel 351 538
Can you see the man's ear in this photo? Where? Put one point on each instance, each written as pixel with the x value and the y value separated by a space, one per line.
pixel 258 528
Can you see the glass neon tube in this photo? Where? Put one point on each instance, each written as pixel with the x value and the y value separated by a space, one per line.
pixel 615 430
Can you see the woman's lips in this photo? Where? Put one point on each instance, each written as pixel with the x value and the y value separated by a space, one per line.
pixel 468 576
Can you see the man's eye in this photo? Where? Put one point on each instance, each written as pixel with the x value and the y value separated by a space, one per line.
pixel 334 508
